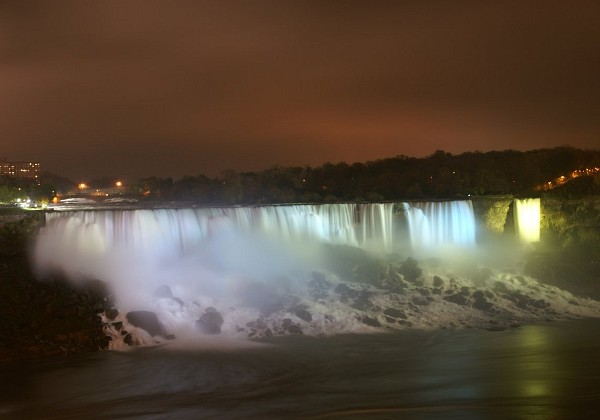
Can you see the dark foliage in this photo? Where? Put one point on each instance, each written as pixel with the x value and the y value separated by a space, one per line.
pixel 440 175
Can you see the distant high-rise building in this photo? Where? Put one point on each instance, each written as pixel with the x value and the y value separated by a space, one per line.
pixel 30 170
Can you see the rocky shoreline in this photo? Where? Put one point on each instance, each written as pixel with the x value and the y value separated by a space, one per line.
pixel 46 318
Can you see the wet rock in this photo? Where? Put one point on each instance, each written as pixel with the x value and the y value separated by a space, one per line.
pixel 301 312
pixel 395 313
pixel 346 291
pixel 371 322
pixel 259 323
pixel 210 322
pixel 540 303
pixel 163 291
pixel 458 299
pixel 523 301
pixel 363 303
pixel 351 263
pixel 482 304
pixel 146 320
pixel 112 313
pixel 290 327
pixel 500 287
pixel 318 286
pixel 437 281
pixel 294 329
pixel 478 294
pixel 420 301
pixel 410 270
pixel 398 286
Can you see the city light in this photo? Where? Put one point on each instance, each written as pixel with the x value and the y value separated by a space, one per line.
pixel 564 179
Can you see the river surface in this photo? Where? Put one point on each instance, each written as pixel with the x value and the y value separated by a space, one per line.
pixel 545 371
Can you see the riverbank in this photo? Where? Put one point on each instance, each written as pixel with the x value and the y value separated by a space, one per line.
pixel 42 318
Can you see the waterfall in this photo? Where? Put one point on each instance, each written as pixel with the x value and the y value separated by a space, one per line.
pixel 83 241
pixel 211 254
pixel 527 219
pixel 440 224
pixel 77 239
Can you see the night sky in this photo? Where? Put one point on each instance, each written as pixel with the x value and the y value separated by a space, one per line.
pixel 168 88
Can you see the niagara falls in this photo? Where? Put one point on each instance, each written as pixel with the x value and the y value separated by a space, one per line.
pixel 284 209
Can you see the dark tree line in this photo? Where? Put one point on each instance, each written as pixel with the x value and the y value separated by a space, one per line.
pixel 440 175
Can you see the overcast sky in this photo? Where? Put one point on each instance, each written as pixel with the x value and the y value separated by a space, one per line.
pixel 168 88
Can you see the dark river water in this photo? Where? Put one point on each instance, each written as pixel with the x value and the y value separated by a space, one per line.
pixel 547 371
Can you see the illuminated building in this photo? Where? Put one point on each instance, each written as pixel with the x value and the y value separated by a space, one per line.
pixel 29 170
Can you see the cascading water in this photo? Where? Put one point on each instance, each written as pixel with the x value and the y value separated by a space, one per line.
pixel 79 242
pixel 527 219
pixel 225 257
pixel 263 270
pixel 139 246
pixel 435 225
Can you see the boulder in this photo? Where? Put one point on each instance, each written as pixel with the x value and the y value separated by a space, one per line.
pixel 210 322
pixel 457 298
pixel 301 312
pixel 370 321
pixel 112 313
pixel 395 313
pixel 146 320
pixel 410 270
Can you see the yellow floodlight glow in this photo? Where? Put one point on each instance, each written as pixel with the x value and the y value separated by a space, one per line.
pixel 82 186
pixel 527 219
pixel 119 184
